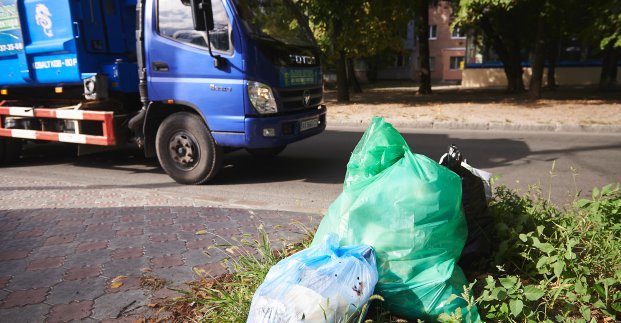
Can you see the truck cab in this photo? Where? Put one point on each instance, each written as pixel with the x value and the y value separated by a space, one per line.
pixel 198 77
pixel 258 86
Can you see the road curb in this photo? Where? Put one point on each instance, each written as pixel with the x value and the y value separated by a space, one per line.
pixel 486 126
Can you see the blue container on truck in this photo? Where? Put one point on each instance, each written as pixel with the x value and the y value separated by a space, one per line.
pixel 185 79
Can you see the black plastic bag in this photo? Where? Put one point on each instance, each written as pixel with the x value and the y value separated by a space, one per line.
pixel 474 201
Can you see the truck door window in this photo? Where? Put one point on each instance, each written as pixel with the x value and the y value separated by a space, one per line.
pixel 174 20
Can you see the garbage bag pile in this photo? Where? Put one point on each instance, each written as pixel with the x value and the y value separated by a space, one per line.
pixel 397 229
pixel 409 208
pixel 324 283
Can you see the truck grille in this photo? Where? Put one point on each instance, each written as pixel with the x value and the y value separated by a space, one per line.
pixel 293 99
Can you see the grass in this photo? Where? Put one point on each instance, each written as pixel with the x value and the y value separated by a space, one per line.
pixel 552 264
pixel 227 298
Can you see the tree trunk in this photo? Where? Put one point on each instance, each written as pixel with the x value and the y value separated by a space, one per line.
pixel 608 76
pixel 342 88
pixel 353 80
pixel 510 55
pixel 373 68
pixel 536 78
pixel 514 76
pixel 422 31
pixel 552 56
pixel 341 78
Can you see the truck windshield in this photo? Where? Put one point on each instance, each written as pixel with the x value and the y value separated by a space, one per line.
pixel 273 19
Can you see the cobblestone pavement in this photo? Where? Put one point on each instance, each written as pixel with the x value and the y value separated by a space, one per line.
pixel 63 247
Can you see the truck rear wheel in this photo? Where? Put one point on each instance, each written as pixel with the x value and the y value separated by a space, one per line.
pixel 186 150
pixel 9 150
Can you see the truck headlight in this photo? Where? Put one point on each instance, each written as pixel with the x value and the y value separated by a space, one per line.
pixel 262 98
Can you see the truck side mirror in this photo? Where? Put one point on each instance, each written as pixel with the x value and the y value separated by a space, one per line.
pixel 202 13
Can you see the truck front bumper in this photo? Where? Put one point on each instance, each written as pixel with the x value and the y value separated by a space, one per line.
pixel 278 131
pixel 274 131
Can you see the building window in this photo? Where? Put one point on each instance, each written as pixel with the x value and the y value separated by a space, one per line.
pixel 433 32
pixel 175 22
pixel 456 62
pixel 457 33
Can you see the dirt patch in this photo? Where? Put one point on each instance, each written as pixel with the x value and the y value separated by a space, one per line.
pixel 401 104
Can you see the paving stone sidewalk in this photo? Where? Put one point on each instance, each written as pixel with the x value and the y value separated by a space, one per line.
pixel 63 247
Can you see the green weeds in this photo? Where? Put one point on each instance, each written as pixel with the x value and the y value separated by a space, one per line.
pixel 555 264
pixel 552 264
pixel 227 298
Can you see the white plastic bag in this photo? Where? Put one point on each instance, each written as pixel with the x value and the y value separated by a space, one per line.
pixel 326 283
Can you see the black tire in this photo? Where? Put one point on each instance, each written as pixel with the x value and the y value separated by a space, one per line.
pixel 186 150
pixel 10 150
pixel 266 152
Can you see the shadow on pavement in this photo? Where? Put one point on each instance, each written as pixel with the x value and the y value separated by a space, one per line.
pixel 324 159
pixel 321 159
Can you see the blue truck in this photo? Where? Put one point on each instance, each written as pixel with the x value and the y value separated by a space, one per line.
pixel 186 80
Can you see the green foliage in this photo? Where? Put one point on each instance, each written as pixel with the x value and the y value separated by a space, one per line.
pixel 608 23
pixel 471 11
pixel 361 28
pixel 596 21
pixel 554 264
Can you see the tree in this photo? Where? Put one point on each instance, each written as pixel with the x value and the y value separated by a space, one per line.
pixel 508 28
pixel 347 30
pixel 607 23
pixel 422 32
pixel 556 19
pixel 536 78
pixel 505 24
pixel 515 28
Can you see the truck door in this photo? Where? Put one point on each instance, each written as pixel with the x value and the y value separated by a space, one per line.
pixel 180 67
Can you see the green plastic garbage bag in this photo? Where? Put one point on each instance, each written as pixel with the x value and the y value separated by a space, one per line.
pixel 408 207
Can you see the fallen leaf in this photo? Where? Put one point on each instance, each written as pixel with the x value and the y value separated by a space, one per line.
pixel 152 305
pixel 146 270
pixel 200 232
pixel 116 284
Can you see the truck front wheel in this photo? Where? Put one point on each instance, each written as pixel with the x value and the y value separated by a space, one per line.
pixel 9 150
pixel 186 150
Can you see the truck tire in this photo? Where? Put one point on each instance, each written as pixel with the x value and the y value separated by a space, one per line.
pixel 266 152
pixel 186 150
pixel 9 150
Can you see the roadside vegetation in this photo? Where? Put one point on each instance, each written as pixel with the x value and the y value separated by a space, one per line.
pixel 552 264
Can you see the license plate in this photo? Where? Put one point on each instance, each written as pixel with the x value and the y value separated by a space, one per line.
pixel 309 124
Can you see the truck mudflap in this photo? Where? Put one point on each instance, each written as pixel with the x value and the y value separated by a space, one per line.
pixel 107 137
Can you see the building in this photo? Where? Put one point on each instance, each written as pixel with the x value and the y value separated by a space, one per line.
pixel 447 48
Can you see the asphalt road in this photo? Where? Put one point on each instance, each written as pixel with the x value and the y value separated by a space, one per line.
pixel 308 175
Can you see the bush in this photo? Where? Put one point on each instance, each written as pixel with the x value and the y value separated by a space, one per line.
pixel 555 264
